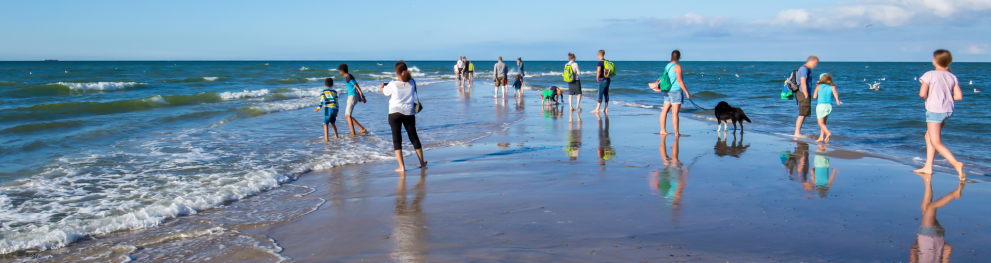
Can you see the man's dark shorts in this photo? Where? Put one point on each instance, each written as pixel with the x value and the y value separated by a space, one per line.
pixel 804 104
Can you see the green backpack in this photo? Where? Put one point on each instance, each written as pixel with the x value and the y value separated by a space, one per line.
pixel 610 69
pixel 569 73
pixel 665 82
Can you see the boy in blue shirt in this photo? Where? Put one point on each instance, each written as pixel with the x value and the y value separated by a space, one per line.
pixel 328 101
pixel 355 95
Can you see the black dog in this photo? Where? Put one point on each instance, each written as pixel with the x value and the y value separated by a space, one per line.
pixel 726 113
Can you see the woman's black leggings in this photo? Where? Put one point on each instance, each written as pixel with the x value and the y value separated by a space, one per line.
pixel 408 121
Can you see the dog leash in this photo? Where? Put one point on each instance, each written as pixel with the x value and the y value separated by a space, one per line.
pixel 696 105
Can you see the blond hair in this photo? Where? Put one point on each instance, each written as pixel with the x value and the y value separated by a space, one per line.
pixel 826 79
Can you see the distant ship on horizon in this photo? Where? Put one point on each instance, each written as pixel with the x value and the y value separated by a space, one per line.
pixel 51 60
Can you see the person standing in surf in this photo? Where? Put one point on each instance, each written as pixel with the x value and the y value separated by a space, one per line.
pixel 824 94
pixel 803 98
pixel 519 67
pixel 401 114
pixel 328 102
pixel 939 88
pixel 602 76
pixel 499 76
pixel 458 67
pixel 674 97
pixel 571 73
pixel 355 95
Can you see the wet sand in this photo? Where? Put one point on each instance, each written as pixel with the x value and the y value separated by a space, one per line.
pixel 580 188
pixel 607 189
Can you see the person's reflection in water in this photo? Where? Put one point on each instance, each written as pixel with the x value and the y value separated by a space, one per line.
pixel 519 104
pixel 820 175
pixel 410 232
pixel 575 138
pixel 735 149
pixel 797 165
pixel 930 244
pixel 605 150
pixel 669 182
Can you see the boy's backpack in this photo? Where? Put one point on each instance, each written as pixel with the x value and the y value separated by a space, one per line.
pixel 610 69
pixel 569 73
pixel 664 83
pixel 791 86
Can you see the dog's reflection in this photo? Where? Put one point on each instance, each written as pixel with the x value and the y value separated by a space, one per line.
pixel 734 149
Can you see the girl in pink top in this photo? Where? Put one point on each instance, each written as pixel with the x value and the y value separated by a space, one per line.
pixel 939 89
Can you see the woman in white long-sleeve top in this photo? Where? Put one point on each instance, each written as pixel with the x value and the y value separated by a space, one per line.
pixel 401 113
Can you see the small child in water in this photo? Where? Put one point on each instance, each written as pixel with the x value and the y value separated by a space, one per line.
pixel 939 88
pixel 328 101
pixel 518 86
pixel 825 92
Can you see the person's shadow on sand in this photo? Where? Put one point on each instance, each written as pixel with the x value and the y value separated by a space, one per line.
pixel 734 149
pixel 410 232
pixel 930 244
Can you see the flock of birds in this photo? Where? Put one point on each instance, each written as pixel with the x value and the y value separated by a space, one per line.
pixel 876 86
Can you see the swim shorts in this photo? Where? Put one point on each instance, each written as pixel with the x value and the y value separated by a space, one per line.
pixel 500 81
pixel 823 110
pixel 329 116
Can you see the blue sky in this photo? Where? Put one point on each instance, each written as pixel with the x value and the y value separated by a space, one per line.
pixel 774 30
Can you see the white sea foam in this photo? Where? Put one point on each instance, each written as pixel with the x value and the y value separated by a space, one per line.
pixel 211 78
pixel 243 94
pixel 98 85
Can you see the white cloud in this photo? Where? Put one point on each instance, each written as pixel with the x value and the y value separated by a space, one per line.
pixel 685 21
pixel 889 13
pixel 977 49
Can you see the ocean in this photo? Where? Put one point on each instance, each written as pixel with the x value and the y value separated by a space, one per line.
pixel 90 148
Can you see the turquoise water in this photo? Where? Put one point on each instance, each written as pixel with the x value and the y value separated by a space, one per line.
pixel 93 147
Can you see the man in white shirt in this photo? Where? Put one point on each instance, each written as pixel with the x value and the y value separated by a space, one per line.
pixel 575 86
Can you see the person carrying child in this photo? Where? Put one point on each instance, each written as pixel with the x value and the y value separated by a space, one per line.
pixel 939 88
pixel 825 93
pixel 328 102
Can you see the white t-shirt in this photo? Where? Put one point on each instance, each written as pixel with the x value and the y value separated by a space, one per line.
pixel 461 64
pixel 402 98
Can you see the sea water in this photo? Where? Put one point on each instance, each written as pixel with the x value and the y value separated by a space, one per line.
pixel 90 148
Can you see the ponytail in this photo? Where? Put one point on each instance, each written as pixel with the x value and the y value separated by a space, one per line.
pixel 401 70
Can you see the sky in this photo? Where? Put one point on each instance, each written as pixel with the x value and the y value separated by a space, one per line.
pixel 704 30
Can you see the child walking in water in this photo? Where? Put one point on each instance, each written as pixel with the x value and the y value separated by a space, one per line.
pixel 825 92
pixel 939 88
pixel 328 101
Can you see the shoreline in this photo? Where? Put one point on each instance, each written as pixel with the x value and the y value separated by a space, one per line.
pixel 515 195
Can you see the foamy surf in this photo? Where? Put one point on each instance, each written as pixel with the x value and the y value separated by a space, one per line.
pixel 98 85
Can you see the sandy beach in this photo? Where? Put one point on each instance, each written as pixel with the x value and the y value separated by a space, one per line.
pixel 580 188
pixel 519 196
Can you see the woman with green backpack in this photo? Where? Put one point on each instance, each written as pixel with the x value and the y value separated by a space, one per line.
pixel 673 95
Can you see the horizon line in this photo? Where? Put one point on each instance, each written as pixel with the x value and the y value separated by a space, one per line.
pixel 251 60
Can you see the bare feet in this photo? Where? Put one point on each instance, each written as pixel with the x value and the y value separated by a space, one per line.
pixel 827 137
pixel 663 132
pixel 959 191
pixel 423 164
pixel 401 169
pixel 959 167
pixel 924 171
pixel 820 139
pixel 595 111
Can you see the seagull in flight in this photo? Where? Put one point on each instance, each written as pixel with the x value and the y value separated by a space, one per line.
pixel 876 86
pixel 869 25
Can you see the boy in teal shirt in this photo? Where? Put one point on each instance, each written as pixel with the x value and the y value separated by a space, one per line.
pixel 328 101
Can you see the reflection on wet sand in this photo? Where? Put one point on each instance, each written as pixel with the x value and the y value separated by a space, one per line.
pixel 519 104
pixel 796 163
pixel 410 232
pixel 605 150
pixel 734 149
pixel 821 175
pixel 669 182
pixel 574 145
pixel 930 244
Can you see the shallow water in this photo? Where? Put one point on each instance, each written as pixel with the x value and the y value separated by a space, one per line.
pixel 89 148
